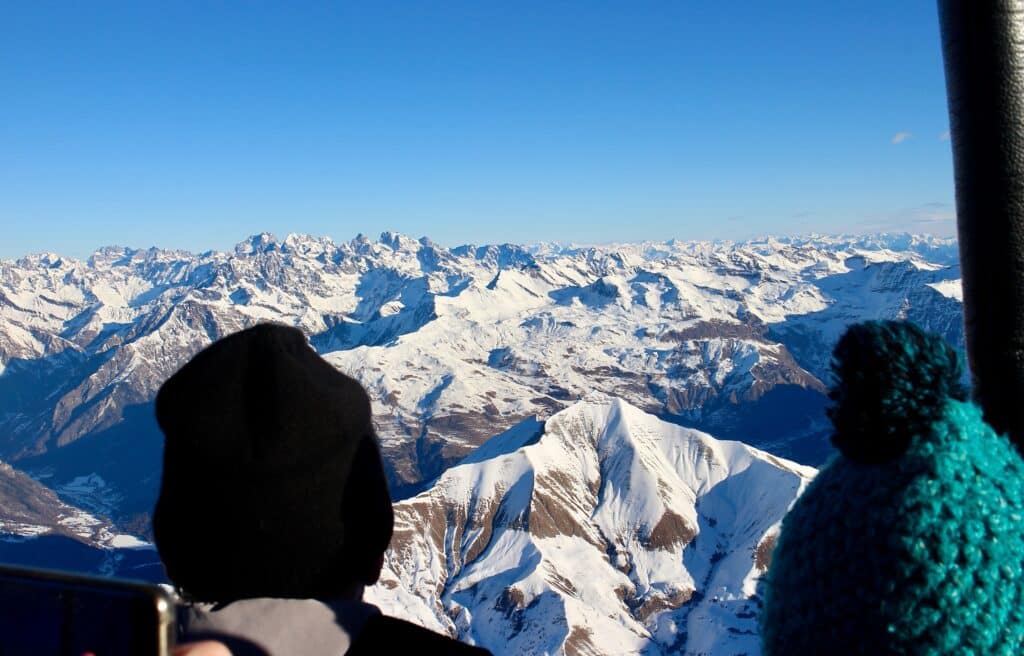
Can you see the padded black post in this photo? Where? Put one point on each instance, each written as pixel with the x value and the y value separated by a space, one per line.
pixel 983 47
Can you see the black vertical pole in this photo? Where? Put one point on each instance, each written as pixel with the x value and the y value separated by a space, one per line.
pixel 983 48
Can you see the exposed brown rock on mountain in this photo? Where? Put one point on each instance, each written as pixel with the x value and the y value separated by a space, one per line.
pixel 670 533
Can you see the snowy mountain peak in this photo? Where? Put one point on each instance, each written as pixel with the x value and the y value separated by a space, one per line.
pixel 396 241
pixel 262 243
pixel 44 260
pixel 603 530
pixel 308 245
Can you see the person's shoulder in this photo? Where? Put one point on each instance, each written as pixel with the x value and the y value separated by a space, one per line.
pixel 383 634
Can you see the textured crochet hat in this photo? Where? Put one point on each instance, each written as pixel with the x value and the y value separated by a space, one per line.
pixel 911 539
pixel 272 481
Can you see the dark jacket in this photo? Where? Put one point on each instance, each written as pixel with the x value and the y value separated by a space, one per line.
pixel 307 627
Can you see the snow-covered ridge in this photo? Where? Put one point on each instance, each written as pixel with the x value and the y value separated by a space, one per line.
pixel 30 509
pixel 603 530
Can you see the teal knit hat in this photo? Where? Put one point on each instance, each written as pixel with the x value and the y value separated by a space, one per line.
pixel 911 539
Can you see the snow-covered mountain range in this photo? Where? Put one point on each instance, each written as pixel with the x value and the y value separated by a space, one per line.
pixel 454 345
pixel 592 358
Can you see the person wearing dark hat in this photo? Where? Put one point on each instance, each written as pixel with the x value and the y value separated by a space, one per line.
pixel 911 539
pixel 274 512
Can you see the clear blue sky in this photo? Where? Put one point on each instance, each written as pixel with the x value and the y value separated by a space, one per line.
pixel 192 125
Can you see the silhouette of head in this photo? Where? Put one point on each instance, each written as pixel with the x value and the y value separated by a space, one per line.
pixel 272 479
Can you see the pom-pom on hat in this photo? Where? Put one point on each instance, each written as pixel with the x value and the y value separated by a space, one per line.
pixel 272 481
pixel 911 539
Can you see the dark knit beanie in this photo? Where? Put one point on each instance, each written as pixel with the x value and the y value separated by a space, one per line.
pixel 272 480
pixel 910 540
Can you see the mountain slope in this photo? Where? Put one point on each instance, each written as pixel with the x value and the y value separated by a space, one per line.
pixel 603 530
pixel 38 529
